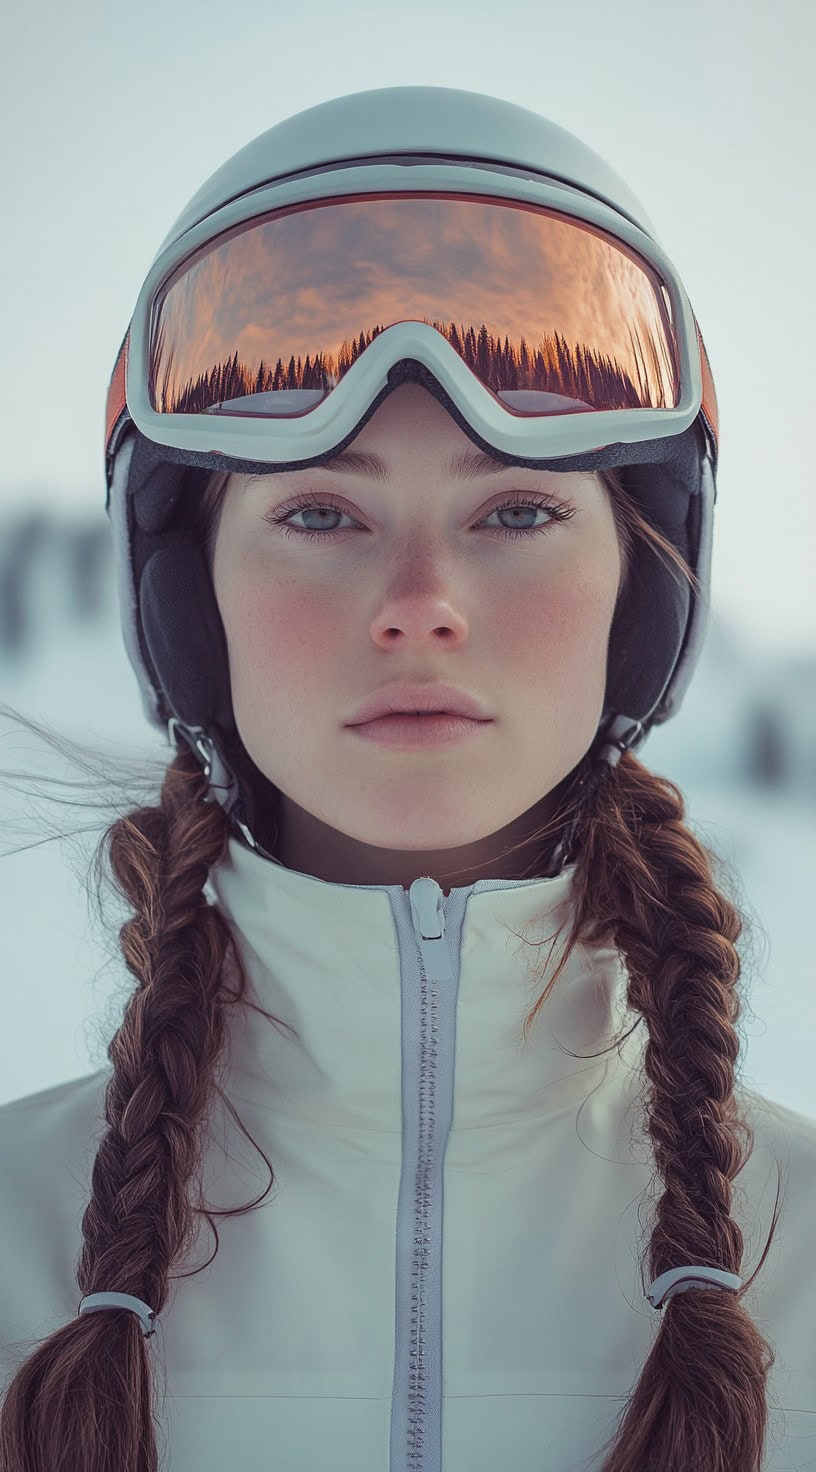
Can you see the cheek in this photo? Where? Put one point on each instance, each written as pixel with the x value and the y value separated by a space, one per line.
pixel 282 639
pixel 556 628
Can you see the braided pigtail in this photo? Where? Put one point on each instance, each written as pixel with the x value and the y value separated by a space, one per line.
pixel 82 1401
pixel 644 883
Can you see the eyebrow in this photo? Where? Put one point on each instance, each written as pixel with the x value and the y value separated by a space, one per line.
pixel 466 465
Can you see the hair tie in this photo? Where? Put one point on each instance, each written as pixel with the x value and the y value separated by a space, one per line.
pixel 93 1302
pixel 678 1280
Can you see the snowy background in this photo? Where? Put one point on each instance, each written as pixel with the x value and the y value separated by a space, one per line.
pixel 112 114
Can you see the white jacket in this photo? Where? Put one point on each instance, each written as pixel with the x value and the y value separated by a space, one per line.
pixel 445 1275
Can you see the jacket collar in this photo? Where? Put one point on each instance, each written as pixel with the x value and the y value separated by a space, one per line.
pixel 342 967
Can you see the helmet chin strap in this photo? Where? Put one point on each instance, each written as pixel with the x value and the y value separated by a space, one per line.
pixel 622 733
pixel 224 785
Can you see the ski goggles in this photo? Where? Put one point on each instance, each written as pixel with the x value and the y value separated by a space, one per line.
pixel 555 325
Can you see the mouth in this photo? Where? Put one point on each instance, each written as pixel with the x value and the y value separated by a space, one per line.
pixel 385 703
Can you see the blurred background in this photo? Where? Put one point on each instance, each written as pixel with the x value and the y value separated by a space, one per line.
pixel 113 114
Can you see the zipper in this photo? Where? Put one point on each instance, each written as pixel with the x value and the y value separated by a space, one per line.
pixel 422 1406
pixel 428 916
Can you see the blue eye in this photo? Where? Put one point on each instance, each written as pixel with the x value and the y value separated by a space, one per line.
pixel 313 502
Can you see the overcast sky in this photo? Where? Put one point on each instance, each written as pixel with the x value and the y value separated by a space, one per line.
pixel 114 112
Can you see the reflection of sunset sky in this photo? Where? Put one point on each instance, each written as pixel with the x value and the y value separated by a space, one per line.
pixel 304 282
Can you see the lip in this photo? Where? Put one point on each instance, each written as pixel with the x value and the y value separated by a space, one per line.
pixel 430 697
pixel 412 732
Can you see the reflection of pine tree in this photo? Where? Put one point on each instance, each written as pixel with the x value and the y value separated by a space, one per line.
pixel 470 348
pixel 483 355
pixel 552 367
pixel 509 370
pixel 158 397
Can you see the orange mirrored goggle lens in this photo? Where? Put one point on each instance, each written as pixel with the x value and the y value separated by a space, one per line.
pixel 551 314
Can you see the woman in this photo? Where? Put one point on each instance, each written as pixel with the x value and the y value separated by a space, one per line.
pixel 413 415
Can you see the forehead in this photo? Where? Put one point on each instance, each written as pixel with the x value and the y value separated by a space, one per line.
pixel 461 465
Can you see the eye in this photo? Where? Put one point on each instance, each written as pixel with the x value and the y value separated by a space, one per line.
pixel 519 501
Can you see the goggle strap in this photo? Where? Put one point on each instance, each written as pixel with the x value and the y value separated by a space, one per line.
pixel 709 408
pixel 117 401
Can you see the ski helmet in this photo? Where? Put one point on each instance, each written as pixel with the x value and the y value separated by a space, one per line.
pixel 618 376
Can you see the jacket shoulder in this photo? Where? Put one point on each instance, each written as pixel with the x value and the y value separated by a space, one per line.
pixel 784 1138
pixel 51 1114
pixel 782 1297
pixel 792 1129
pixel 48 1143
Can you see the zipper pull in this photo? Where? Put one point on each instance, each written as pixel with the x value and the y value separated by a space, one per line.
pixel 428 917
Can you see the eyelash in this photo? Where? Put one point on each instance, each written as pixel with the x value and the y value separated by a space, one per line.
pixel 313 501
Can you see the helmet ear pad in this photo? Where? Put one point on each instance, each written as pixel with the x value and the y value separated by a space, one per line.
pixel 180 631
pixel 653 610
pixel 185 634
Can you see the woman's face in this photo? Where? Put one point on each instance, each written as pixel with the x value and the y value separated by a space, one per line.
pixel 423 582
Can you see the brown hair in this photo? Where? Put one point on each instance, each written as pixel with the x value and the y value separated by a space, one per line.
pixel 643 883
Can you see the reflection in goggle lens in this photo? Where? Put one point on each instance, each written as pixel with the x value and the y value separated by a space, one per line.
pixel 554 315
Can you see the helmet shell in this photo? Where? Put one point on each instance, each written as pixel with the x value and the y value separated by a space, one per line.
pixel 444 121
